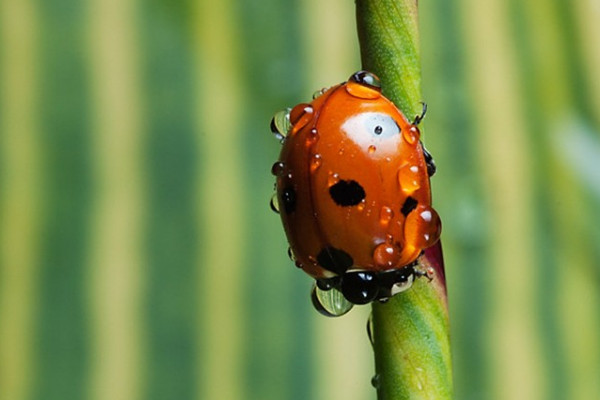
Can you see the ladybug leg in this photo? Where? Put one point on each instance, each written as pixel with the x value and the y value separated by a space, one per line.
pixel 395 281
pixel 431 168
pixel 427 272
pixel 420 117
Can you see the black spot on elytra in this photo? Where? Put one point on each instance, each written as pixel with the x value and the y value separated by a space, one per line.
pixel 288 197
pixel 409 204
pixel 335 260
pixel 347 193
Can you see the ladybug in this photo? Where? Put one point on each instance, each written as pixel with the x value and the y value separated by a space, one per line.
pixel 353 193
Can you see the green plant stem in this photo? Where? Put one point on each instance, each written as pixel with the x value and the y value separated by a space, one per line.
pixel 389 47
pixel 411 331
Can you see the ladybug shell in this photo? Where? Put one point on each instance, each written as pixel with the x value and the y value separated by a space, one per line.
pixel 352 184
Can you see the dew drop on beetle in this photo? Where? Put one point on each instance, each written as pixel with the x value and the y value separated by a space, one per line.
pixel 386 255
pixel 422 227
pixel 300 116
pixel 291 254
pixel 274 203
pixel 280 124
pixel 411 135
pixel 312 137
pixel 278 168
pixel 315 162
pixel 330 303
pixel 366 78
pixel 409 177
pixel 385 216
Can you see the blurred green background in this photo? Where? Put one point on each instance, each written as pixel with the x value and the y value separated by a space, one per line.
pixel 138 255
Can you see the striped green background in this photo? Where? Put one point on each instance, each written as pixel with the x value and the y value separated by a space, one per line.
pixel 138 255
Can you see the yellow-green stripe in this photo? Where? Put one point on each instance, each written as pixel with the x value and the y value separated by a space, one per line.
pixel 19 194
pixel 221 207
pixel 116 279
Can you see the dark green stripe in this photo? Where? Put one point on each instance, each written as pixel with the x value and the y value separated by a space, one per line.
pixel 278 359
pixel 62 356
pixel 582 97
pixel 172 237
pixel 571 48
pixel 457 193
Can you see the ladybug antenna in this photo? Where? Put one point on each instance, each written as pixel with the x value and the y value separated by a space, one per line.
pixel 420 117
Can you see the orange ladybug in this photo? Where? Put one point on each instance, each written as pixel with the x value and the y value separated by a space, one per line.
pixel 353 192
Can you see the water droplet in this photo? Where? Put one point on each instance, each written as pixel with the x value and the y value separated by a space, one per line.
pixel 386 255
pixel 385 215
pixel 274 203
pixel 312 137
pixel 341 151
pixel 278 168
pixel 366 78
pixel 293 257
pixel 361 205
pixel 371 149
pixel 300 116
pixel 362 92
pixel 291 254
pixel 364 85
pixel 370 329
pixel 330 303
pixel 409 177
pixel 376 381
pixel 333 179
pixel 422 227
pixel 411 135
pixel 280 124
pixel 315 162
pixel 319 93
